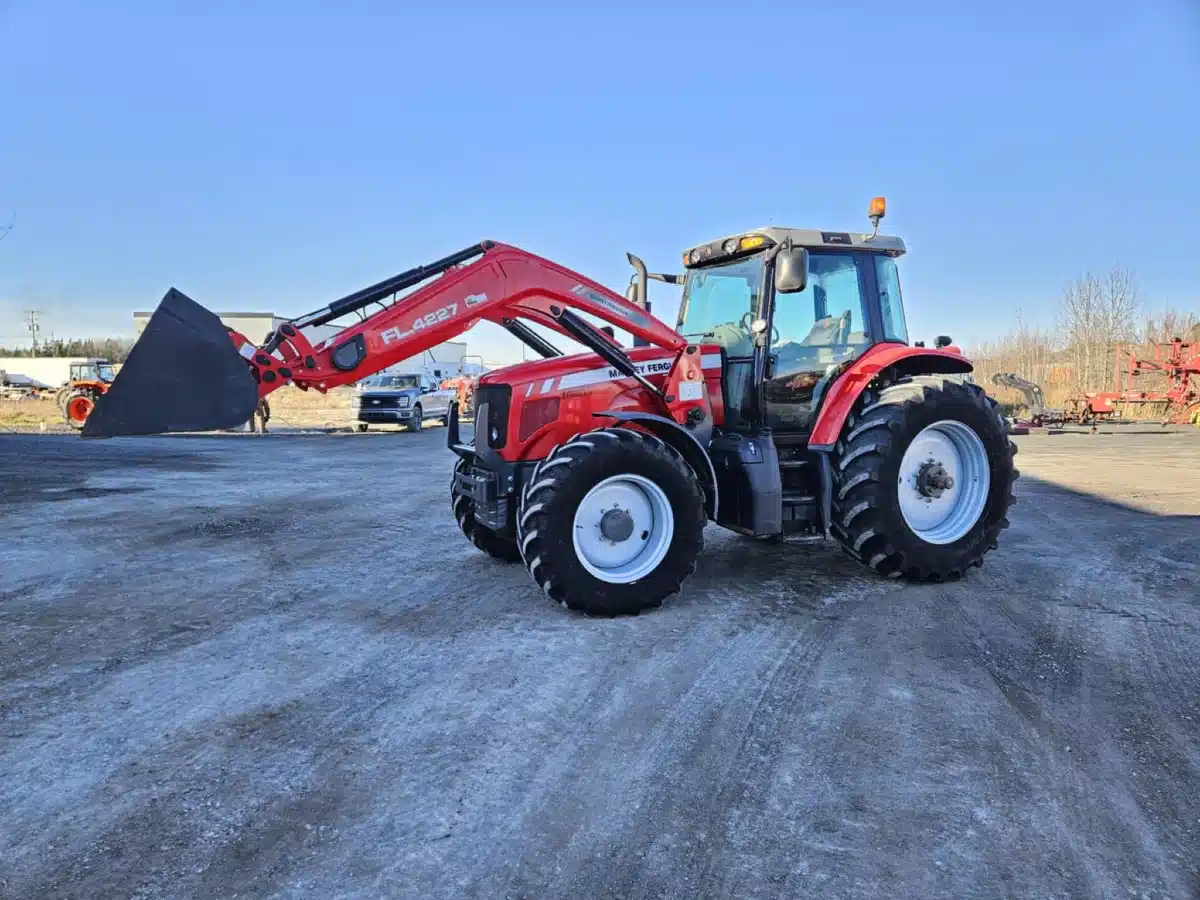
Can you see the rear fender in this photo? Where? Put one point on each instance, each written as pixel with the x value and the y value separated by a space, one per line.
pixel 895 359
pixel 681 440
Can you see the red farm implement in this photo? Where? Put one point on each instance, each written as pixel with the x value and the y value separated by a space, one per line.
pixel 1176 362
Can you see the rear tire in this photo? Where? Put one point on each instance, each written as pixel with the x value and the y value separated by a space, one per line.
pixel 893 509
pixel 363 426
pixel 494 545
pixel 650 542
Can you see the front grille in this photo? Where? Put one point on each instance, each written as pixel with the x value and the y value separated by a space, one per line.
pixel 492 401
pixel 369 403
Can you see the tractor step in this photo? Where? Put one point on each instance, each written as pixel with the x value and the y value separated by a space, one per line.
pixel 794 463
pixel 799 508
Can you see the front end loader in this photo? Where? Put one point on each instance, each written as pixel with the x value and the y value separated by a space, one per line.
pixel 787 400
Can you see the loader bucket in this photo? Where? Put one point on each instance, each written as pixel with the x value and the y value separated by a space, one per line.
pixel 183 374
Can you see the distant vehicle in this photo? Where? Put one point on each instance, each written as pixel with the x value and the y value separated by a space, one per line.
pixel 400 399
pixel 20 387
pixel 89 381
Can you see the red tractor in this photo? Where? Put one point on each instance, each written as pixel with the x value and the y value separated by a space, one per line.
pixel 89 381
pixel 787 400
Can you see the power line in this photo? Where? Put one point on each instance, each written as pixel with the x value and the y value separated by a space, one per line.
pixel 34 326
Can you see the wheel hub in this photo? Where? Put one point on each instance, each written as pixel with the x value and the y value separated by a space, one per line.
pixel 933 479
pixel 944 482
pixel 616 525
pixel 623 528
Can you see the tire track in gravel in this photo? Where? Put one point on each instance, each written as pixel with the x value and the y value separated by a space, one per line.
pixel 662 816
pixel 1057 682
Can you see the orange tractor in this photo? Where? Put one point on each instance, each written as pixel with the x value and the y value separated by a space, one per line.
pixel 89 381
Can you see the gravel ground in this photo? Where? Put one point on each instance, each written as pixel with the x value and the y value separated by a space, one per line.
pixel 252 666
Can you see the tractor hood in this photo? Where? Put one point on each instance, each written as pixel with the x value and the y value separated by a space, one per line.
pixel 581 369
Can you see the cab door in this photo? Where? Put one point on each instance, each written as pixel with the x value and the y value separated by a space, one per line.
pixel 813 332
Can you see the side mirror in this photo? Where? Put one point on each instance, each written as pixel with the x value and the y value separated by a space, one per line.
pixel 791 270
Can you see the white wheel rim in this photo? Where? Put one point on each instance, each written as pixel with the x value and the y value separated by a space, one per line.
pixel 944 516
pixel 653 525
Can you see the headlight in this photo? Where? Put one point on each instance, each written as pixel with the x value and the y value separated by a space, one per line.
pixel 404 401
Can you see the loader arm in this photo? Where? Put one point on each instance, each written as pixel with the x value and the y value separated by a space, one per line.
pixel 178 365
pixel 502 283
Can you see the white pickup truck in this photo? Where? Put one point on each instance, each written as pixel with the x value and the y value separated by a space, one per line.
pixel 409 399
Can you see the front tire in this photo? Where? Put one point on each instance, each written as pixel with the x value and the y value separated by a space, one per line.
pixel 77 406
pixel 491 543
pixel 416 422
pixel 923 479
pixel 611 523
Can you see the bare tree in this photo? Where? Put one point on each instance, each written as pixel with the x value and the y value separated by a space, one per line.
pixel 1024 350
pixel 1167 326
pixel 1095 319
pixel 1119 315
pixel 1079 318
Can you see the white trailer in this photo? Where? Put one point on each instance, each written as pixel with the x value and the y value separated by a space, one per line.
pixel 53 371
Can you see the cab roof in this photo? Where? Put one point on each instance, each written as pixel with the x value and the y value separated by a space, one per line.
pixel 811 238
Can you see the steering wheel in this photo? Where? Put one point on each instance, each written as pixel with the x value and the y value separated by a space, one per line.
pixel 745 325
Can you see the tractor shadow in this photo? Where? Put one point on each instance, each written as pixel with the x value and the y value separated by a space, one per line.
pixel 1112 547
pixel 41 468
pixel 777 579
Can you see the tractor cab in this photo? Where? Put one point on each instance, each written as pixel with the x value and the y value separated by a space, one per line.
pixel 789 309
pixel 94 371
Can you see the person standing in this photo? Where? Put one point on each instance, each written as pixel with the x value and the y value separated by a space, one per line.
pixel 262 412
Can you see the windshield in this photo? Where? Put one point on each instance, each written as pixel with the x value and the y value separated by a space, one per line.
pixel 720 302
pixel 107 373
pixel 393 382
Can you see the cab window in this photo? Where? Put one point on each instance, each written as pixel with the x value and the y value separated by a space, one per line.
pixel 891 306
pixel 826 323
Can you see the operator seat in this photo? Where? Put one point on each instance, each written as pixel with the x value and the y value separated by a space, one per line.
pixel 829 332
pixel 736 341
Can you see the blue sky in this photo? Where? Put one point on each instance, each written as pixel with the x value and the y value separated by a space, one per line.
pixel 272 156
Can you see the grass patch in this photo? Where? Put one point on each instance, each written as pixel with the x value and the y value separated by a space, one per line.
pixel 30 413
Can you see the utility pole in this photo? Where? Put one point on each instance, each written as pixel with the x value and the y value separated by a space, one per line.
pixel 31 322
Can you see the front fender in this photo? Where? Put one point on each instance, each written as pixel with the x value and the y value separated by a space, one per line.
pixel 684 442
pixel 843 393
